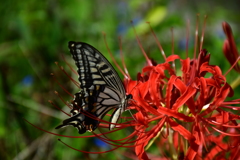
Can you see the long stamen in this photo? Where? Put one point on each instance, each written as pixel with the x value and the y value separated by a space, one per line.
pixel 62 69
pixel 55 79
pixel 69 106
pixel 157 41
pixel 111 55
pixel 172 35
pixel 196 39
pixel 127 76
pixel 58 107
pixel 187 37
pixel 203 31
pixel 140 45
pixel 75 72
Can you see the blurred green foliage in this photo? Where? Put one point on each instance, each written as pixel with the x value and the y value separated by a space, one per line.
pixel 34 34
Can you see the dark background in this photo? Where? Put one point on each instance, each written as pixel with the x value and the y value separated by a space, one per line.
pixel 35 34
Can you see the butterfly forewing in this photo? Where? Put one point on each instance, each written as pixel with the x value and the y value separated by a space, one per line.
pixel 93 67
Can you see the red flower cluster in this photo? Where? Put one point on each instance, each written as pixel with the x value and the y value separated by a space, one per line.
pixel 191 105
pixel 190 108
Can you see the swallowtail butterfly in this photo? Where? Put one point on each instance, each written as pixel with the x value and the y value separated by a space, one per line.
pixel 101 90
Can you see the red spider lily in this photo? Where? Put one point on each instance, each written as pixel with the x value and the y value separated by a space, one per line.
pixel 192 105
pixel 185 114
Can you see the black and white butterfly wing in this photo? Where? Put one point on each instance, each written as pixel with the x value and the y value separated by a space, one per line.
pixel 94 70
pixel 81 118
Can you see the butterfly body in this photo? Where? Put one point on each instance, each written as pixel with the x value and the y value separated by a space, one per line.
pixel 101 90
